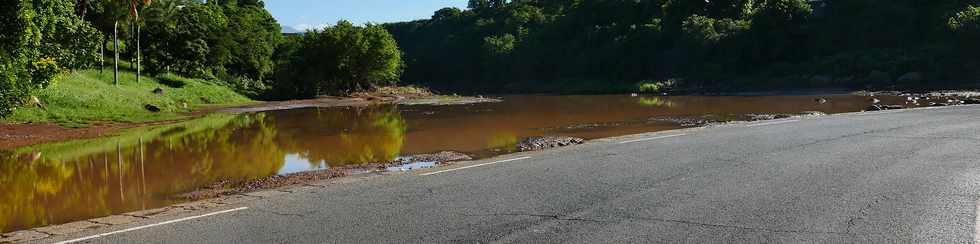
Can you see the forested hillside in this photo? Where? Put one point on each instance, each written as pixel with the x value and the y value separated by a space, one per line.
pixel 726 45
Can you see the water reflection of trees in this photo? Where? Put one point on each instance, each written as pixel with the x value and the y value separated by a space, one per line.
pixel 135 170
pixel 657 102
pixel 344 136
pixel 143 168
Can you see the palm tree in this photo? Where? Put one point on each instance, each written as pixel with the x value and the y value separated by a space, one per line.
pixel 134 7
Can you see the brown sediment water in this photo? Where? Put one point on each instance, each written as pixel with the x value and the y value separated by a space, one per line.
pixel 143 168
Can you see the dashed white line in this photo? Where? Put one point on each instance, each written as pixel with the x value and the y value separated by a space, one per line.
pixel 474 166
pixel 152 225
pixel 651 138
pixel 774 123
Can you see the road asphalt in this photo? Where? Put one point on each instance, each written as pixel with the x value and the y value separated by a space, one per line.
pixel 908 176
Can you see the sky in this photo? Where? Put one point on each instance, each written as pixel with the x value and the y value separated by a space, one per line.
pixel 305 14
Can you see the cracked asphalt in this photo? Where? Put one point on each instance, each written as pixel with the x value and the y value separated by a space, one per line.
pixel 901 177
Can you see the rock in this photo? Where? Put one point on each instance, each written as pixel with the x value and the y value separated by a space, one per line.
pixel 971 100
pixel 687 121
pixel 440 157
pixel 812 114
pixel 544 142
pixel 820 100
pixel 911 77
pixel 152 108
pixel 879 107
pixel 758 117
pixel 158 91
pixel 33 101
pixel 938 104
pixel 877 76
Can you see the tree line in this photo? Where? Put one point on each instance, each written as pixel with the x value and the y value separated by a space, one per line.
pixel 503 46
pixel 549 45
pixel 236 43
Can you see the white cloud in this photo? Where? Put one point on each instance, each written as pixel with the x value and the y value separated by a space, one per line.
pixel 306 27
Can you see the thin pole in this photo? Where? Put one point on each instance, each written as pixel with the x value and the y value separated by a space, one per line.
pixel 115 40
pixel 138 73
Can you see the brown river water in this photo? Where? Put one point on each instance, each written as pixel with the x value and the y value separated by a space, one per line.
pixel 145 168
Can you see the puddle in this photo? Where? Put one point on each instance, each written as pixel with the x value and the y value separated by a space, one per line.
pixel 143 168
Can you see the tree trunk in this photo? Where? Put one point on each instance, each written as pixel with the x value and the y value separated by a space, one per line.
pixel 138 73
pixel 132 58
pixel 115 41
pixel 102 56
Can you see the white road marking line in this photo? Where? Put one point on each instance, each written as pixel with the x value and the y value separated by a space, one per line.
pixel 149 226
pixel 651 138
pixel 774 123
pixel 474 166
pixel 976 233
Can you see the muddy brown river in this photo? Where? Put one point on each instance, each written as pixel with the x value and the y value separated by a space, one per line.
pixel 145 168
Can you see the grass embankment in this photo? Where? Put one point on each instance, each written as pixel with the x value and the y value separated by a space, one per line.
pixel 85 97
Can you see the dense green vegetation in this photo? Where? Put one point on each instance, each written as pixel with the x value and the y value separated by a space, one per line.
pixel 338 60
pixel 565 45
pixel 203 45
pixel 38 39
pixel 231 41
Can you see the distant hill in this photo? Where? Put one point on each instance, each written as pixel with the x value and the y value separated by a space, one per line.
pixel 290 30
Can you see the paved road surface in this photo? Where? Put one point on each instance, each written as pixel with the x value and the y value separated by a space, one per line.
pixel 885 177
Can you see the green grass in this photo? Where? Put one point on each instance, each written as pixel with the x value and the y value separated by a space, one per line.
pixel 86 97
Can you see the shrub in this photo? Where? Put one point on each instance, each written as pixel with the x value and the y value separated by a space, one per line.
pixel 39 39
pixel 657 86
pixel 339 60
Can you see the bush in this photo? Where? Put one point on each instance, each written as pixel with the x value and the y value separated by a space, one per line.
pixel 967 20
pixel 657 86
pixel 339 60
pixel 39 39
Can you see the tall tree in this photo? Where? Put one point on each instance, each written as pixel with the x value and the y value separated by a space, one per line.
pixel 135 6
pixel 341 59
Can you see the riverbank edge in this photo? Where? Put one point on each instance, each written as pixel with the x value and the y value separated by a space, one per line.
pixel 14 136
pixel 348 175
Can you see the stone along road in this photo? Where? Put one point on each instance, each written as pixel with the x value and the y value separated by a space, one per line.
pixel 882 177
